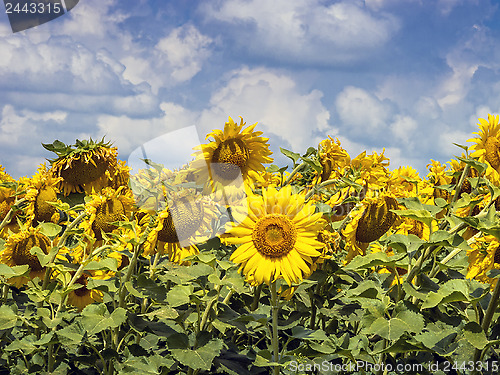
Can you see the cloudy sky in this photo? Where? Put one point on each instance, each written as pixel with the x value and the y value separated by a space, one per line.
pixel 412 76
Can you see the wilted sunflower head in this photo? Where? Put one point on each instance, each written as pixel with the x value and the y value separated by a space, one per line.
pixel 332 158
pixel 106 208
pixel 85 166
pixel 180 226
pixel 232 152
pixel 370 221
pixel 41 189
pixel 17 253
pixel 484 256
pixel 7 191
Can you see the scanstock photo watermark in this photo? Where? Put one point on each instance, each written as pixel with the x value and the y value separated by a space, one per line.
pixel 398 368
pixel 25 14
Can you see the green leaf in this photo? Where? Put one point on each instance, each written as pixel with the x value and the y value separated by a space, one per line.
pixel 451 291
pixel 201 358
pixel 474 334
pixel 72 334
pixel 179 295
pixel 96 318
pixel 292 155
pixel 50 229
pixel 405 321
pixel 302 333
pixel 477 165
pixel 102 265
pixel 8 316
pixel 374 259
pixel 9 272
pixel 420 215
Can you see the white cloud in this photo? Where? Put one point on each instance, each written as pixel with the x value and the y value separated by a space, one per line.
pixel 272 99
pixel 17 127
pixel 305 30
pixel 129 133
pixel 177 57
pixel 362 113
pixel 403 128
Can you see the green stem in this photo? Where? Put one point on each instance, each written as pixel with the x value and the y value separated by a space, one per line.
pixel 323 184
pixel 487 319
pixel 256 298
pixel 10 214
pixel 294 172
pixel 60 244
pixel 274 338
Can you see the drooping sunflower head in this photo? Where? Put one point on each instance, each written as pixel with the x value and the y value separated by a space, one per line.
pixel 277 237
pixel 41 189
pixel 8 188
pixel 106 208
pixel 487 146
pixel 17 253
pixel 85 166
pixel 370 221
pixel 371 169
pixel 235 151
pixel 184 223
pixel 333 158
pixel 404 181
pixel 82 297
pixel 483 257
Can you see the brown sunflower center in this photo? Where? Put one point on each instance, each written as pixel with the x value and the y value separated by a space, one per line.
pixel 417 228
pixel 83 291
pixel 327 165
pixel 21 253
pixel 274 235
pixel 108 212
pixel 184 219
pixel 229 158
pixel 376 220
pixel 492 155
pixel 80 171
pixel 44 210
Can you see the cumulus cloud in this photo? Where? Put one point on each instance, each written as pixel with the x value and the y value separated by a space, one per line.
pixel 272 99
pixel 305 31
pixel 177 57
pixel 362 113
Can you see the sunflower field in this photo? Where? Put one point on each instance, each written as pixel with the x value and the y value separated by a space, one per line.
pixel 231 264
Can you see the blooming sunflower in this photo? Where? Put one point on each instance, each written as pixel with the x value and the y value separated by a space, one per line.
pixel 277 237
pixel 370 221
pixel 105 208
pixel 180 226
pixel 41 189
pixel 233 151
pixel 487 147
pixel 86 166
pixel 17 253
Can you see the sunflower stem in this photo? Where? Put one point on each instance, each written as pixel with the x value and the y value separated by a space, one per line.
pixel 10 214
pixel 487 320
pixel 294 172
pixel 316 187
pixel 256 298
pixel 5 293
pixel 60 243
pixel 274 338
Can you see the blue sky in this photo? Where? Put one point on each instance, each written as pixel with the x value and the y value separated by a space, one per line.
pixel 412 76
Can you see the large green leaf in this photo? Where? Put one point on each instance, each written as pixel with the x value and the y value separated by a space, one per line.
pixel 96 318
pixel 8 316
pixel 201 358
